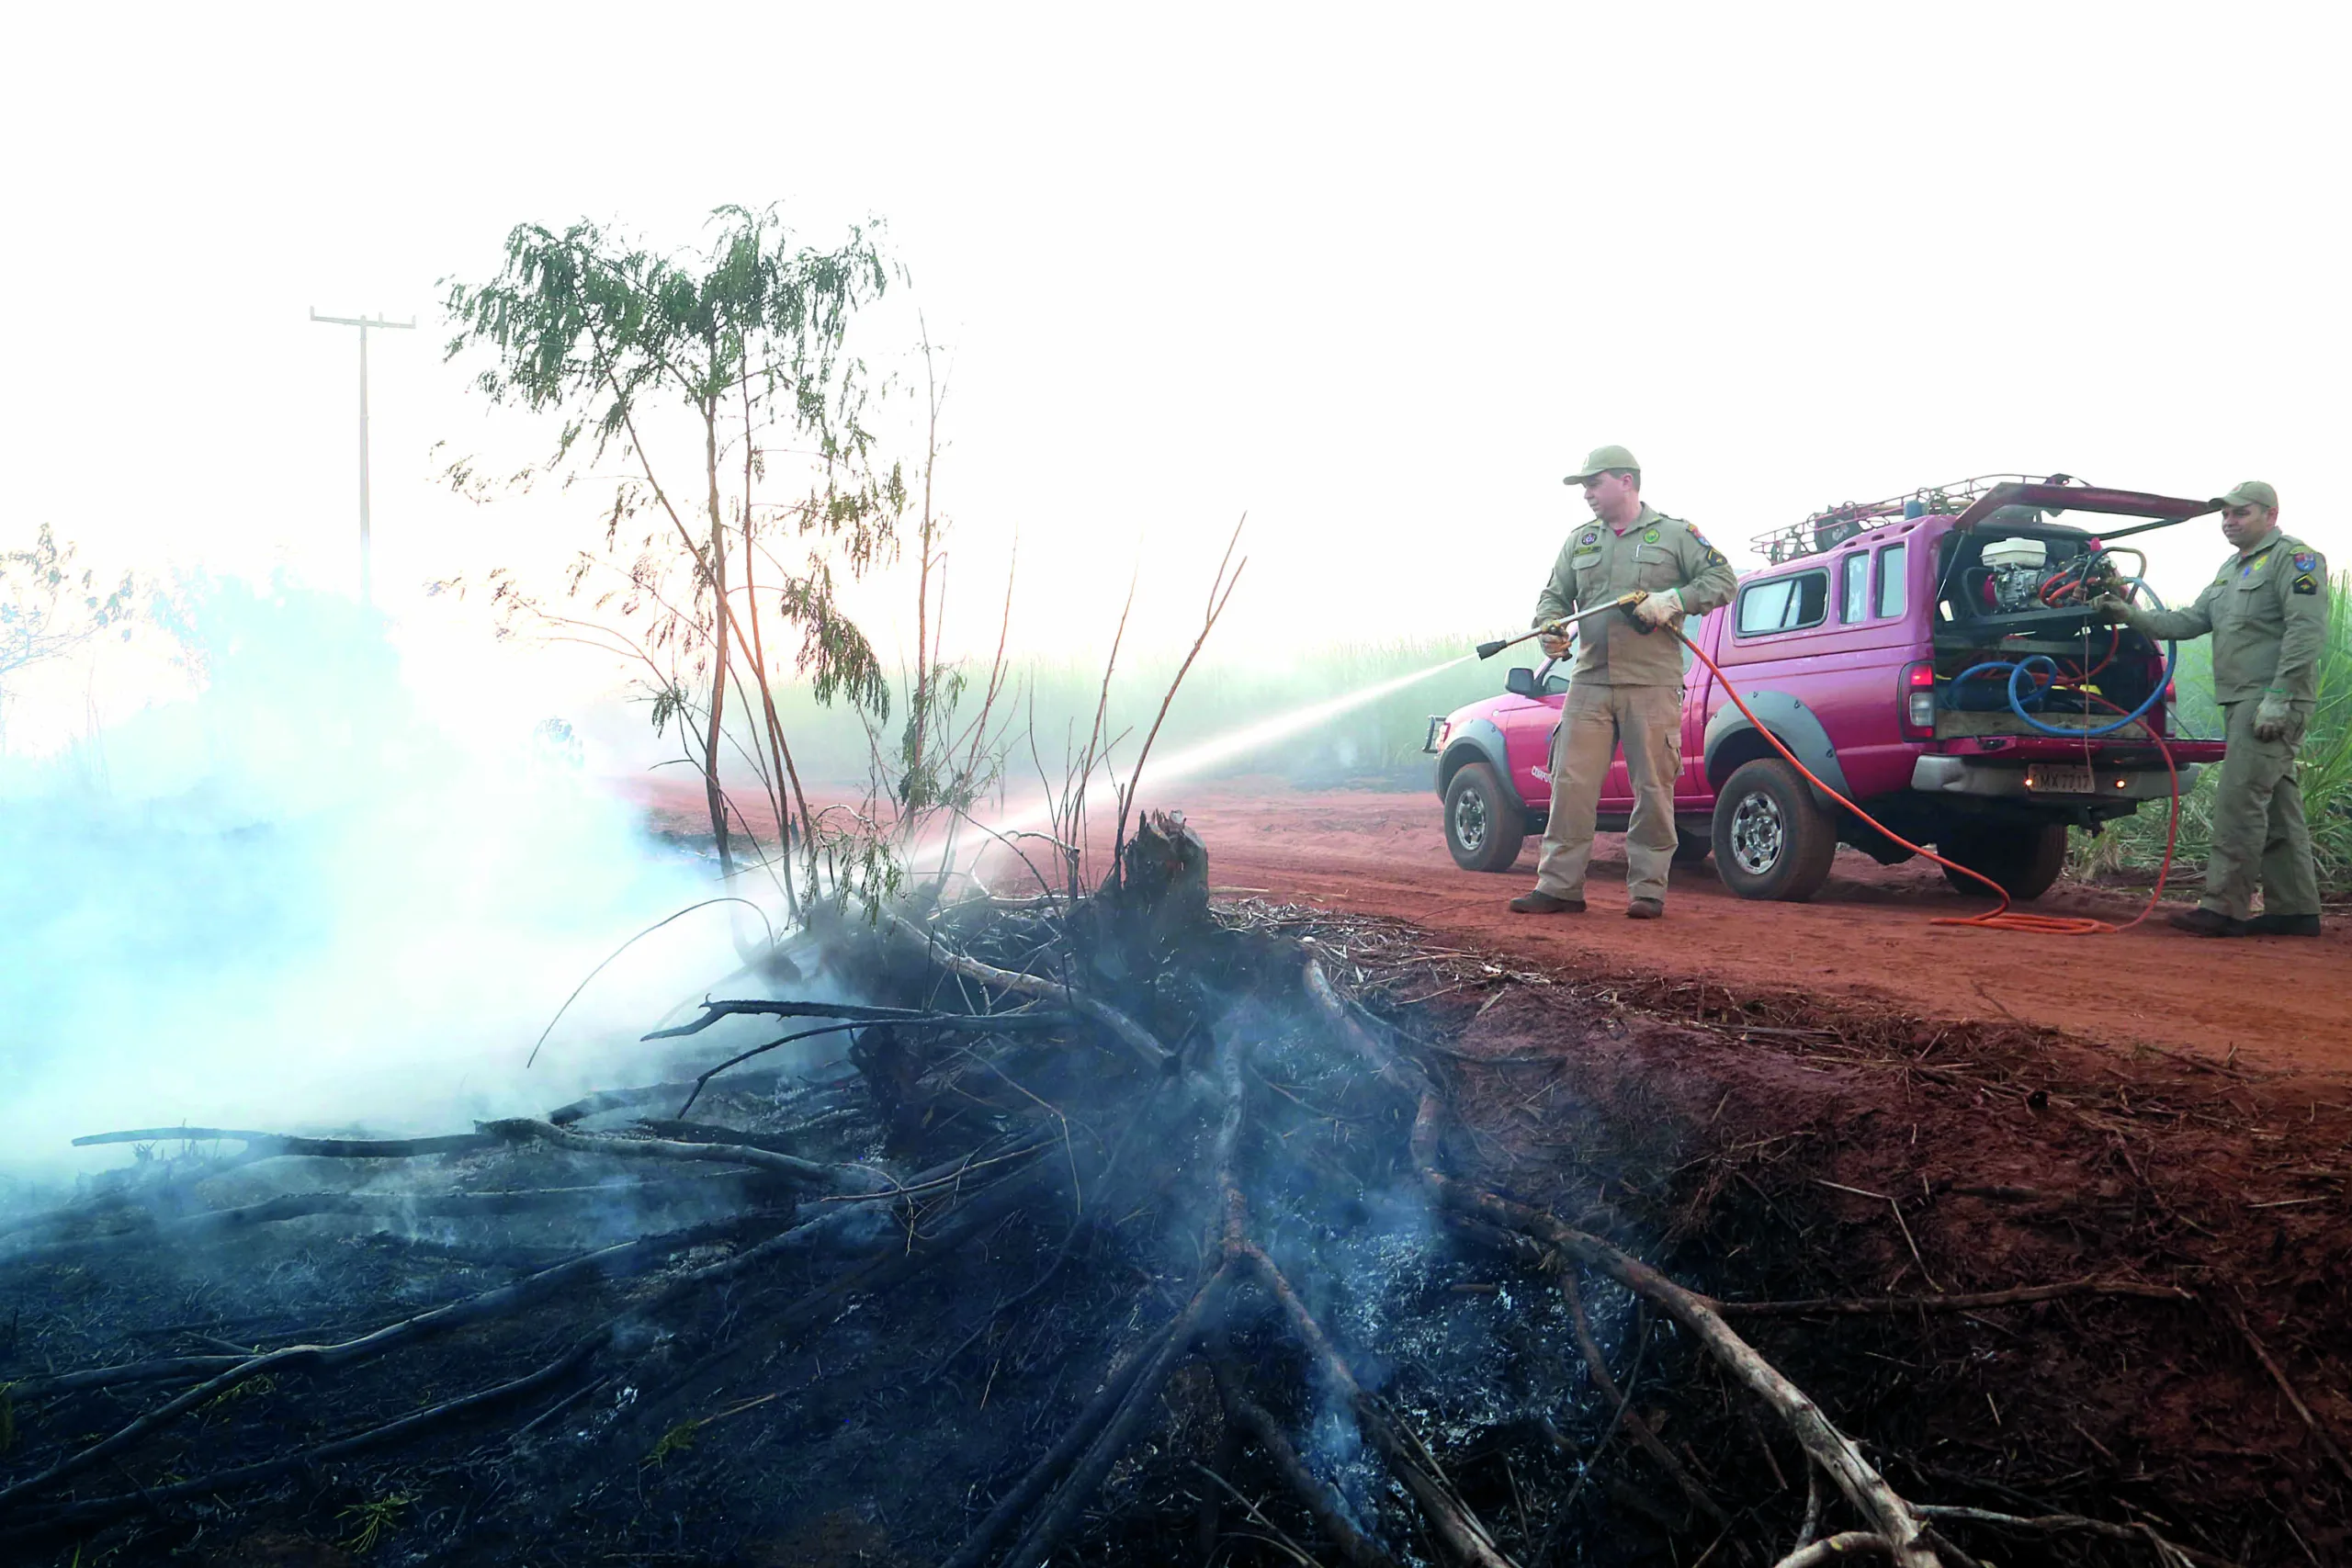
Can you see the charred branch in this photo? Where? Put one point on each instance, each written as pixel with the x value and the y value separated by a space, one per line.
pixel 2072 1524
pixel 447 1411
pixel 1966 1301
pixel 219 1225
pixel 839 1177
pixel 1598 1364
pixel 646 1094
pixel 1844 1547
pixel 274 1143
pixel 1077 1438
pixel 1321 1505
pixel 610 1262
pixel 997 1023
pixel 1133 1035
pixel 1086 1473
pixel 1458 1531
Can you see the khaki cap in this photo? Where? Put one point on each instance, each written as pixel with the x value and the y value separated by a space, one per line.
pixel 2254 493
pixel 1599 461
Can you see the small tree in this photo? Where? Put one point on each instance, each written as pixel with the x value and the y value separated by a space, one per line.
pixel 720 386
pixel 47 609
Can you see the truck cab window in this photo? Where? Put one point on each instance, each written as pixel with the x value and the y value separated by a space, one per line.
pixel 1783 604
pixel 1854 588
pixel 1891 599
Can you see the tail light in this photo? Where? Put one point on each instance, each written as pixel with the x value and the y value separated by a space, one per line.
pixel 1917 696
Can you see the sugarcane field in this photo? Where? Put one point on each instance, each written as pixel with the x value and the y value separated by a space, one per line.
pixel 1251 788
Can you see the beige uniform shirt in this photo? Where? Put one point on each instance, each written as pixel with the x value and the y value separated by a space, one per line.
pixel 1599 563
pixel 2267 612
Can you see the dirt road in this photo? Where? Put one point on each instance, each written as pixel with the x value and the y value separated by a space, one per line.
pixel 2285 1002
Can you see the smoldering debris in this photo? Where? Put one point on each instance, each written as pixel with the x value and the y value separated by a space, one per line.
pixel 1124 1234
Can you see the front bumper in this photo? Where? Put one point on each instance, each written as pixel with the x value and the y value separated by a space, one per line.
pixel 1966 776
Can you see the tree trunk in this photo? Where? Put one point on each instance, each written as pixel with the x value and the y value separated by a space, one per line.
pixel 717 575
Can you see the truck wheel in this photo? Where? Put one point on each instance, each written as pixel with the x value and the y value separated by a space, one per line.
pixel 1772 841
pixel 2024 861
pixel 1485 824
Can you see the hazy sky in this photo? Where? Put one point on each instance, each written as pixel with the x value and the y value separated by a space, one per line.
pixel 1376 276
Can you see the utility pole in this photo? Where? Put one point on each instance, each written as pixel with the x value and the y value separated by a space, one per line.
pixel 363 323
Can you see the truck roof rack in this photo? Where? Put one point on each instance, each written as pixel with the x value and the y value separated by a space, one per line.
pixel 1833 525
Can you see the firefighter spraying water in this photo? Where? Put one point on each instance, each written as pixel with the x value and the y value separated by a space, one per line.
pixel 1628 692
pixel 2023 657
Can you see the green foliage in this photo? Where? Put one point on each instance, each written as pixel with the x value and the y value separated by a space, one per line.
pixel 47 609
pixel 2135 846
pixel 594 329
pixel 710 569
pixel 371 1521
pixel 855 858
pixel 834 653
pixel 266 1384
pixel 676 1440
pixel 585 322
pixel 680 1438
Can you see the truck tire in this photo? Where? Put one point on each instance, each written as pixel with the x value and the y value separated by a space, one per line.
pixel 1772 841
pixel 2024 861
pixel 1485 824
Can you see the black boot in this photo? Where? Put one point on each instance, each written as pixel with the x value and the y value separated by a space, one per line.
pixel 2208 922
pixel 2283 925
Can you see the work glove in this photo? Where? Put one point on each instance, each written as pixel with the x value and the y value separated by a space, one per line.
pixel 1658 609
pixel 2274 719
pixel 2113 608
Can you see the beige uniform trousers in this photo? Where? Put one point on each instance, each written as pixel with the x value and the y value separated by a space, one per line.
pixel 2258 829
pixel 1647 722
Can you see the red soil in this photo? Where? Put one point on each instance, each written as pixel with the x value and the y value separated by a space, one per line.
pixel 2285 1003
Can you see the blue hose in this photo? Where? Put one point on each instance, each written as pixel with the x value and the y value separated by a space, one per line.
pixel 2021 668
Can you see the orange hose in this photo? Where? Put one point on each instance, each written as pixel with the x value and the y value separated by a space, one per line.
pixel 2003 918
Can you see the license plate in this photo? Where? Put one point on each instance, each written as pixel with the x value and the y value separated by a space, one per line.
pixel 2060 778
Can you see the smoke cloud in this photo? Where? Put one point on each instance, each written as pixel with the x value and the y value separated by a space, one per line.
pixel 299 901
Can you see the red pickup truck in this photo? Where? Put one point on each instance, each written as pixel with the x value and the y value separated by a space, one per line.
pixel 1879 646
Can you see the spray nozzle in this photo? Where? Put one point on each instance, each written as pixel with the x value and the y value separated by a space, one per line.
pixel 1623 603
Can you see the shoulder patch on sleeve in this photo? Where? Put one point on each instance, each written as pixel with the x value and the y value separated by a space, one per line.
pixel 2306 562
pixel 2306 584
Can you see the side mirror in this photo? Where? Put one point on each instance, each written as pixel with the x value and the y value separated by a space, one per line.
pixel 1520 683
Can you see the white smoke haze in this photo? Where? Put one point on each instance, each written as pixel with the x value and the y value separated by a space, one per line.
pixel 306 898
